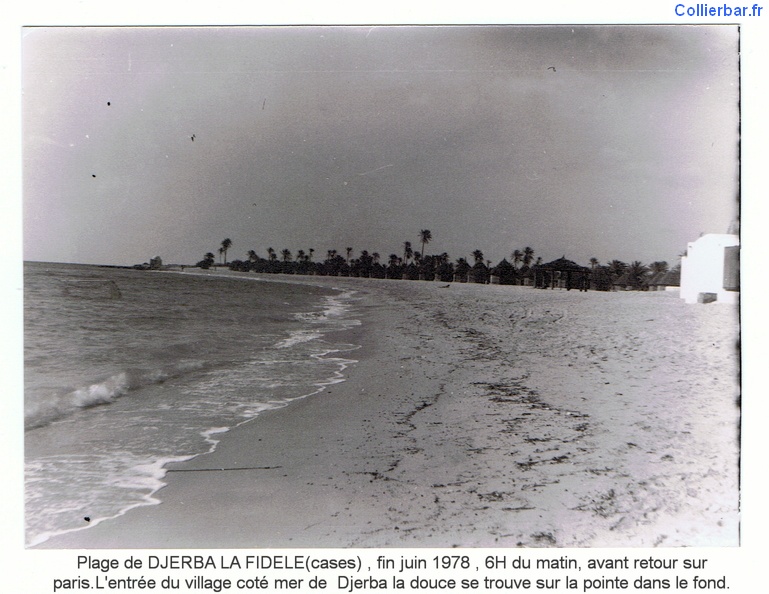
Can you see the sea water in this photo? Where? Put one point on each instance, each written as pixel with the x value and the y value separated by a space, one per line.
pixel 128 370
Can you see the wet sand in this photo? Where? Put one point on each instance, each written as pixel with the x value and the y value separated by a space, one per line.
pixel 480 415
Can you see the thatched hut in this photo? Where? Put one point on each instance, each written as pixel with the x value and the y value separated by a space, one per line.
pixel 622 282
pixel 525 276
pixel 411 272
pixel 461 272
pixel 670 281
pixel 663 281
pixel 479 273
pixel 561 274
pixel 504 273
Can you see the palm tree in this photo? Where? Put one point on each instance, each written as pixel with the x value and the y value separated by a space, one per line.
pixel 425 237
pixel 593 263
pixel 517 257
pixel 271 254
pixel 478 256
pixel 365 262
pixel 528 256
pixel 407 251
pixel 221 253
pixel 637 274
pixel 286 255
pixel 206 262
pixel 226 244
pixel 617 268
pixel 312 251
pixel 349 251
pixel 659 266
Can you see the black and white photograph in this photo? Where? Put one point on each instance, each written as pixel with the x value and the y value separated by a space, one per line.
pixel 381 286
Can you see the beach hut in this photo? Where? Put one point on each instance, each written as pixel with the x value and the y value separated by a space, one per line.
pixel 561 274
pixel 445 272
pixel 665 281
pixel 461 272
pixel 710 269
pixel 479 273
pixel 600 279
pixel 411 272
pixel 622 283
pixel 671 281
pixel 525 276
pixel 503 273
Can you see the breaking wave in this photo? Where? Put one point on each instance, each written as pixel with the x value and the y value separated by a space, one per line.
pixel 40 412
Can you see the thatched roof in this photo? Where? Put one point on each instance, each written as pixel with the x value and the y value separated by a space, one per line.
pixel 462 267
pixel 504 267
pixel 623 280
pixel 562 264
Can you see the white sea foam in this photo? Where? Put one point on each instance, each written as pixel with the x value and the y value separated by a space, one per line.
pixel 144 479
pixel 298 337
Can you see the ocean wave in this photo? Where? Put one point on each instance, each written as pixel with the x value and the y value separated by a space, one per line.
pixel 138 484
pixel 229 371
pixel 45 410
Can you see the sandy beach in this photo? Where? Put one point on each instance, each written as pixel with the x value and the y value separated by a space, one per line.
pixel 479 415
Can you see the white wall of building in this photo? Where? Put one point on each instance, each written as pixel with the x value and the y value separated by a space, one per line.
pixel 702 269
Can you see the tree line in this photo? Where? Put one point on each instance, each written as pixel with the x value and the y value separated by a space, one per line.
pixel 416 265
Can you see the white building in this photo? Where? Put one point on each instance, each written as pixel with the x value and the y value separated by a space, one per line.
pixel 710 270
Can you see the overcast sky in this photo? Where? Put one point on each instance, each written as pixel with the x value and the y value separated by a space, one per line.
pixel 614 142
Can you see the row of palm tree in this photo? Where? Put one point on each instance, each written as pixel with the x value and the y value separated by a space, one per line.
pixel 415 265
pixel 634 275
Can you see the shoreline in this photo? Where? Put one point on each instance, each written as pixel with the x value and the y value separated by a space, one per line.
pixel 478 416
pixel 310 332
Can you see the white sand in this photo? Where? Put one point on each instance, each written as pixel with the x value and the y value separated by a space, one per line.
pixel 481 416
